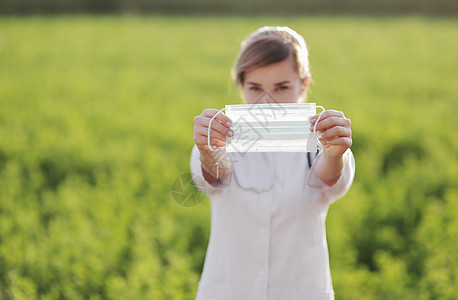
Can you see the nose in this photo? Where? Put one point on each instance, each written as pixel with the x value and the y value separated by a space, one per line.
pixel 266 97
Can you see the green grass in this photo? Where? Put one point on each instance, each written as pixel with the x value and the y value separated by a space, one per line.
pixel 96 120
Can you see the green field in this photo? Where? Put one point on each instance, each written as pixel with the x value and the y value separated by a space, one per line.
pixel 96 121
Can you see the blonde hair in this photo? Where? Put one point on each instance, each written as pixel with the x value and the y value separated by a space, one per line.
pixel 268 45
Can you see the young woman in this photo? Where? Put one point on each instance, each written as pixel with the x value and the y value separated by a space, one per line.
pixel 268 210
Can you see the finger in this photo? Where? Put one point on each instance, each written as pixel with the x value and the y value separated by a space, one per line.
pixel 204 122
pixel 330 122
pixel 334 132
pixel 203 141
pixel 213 133
pixel 326 114
pixel 341 141
pixel 221 117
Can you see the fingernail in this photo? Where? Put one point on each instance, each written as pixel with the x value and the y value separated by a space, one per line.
pixel 229 124
pixel 230 133
pixel 311 128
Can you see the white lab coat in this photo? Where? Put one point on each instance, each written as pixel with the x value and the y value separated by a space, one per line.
pixel 270 244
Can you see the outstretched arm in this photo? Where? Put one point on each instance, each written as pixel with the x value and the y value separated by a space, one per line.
pixel 334 133
pixel 216 165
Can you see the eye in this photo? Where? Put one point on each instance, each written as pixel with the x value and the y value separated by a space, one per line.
pixel 254 88
pixel 282 87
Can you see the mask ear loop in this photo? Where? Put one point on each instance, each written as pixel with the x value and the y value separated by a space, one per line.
pixel 314 126
pixel 208 132
pixel 320 147
pixel 208 142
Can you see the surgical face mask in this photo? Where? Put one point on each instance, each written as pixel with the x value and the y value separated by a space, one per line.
pixel 270 127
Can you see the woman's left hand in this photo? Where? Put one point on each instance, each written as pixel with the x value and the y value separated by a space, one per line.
pixel 334 132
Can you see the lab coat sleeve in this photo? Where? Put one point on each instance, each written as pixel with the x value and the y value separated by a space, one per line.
pixel 343 184
pixel 198 177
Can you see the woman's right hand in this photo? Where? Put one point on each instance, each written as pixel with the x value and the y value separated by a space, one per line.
pixel 220 129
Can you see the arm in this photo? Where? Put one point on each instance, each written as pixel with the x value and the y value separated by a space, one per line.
pixel 334 134
pixel 213 162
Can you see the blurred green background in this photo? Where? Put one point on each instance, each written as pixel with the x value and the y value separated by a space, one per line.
pixel 96 122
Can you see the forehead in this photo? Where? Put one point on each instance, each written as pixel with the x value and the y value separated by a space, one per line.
pixel 273 73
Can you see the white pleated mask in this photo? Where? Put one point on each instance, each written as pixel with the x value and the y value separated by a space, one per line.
pixel 270 127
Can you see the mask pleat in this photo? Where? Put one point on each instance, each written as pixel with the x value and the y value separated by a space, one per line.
pixel 271 127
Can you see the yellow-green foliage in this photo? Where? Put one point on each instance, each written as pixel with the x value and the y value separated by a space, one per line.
pixel 96 120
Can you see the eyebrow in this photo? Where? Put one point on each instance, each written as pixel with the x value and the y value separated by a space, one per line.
pixel 279 83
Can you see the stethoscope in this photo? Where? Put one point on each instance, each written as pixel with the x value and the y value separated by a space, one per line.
pixel 255 188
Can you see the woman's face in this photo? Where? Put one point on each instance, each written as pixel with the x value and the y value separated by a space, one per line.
pixel 277 82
